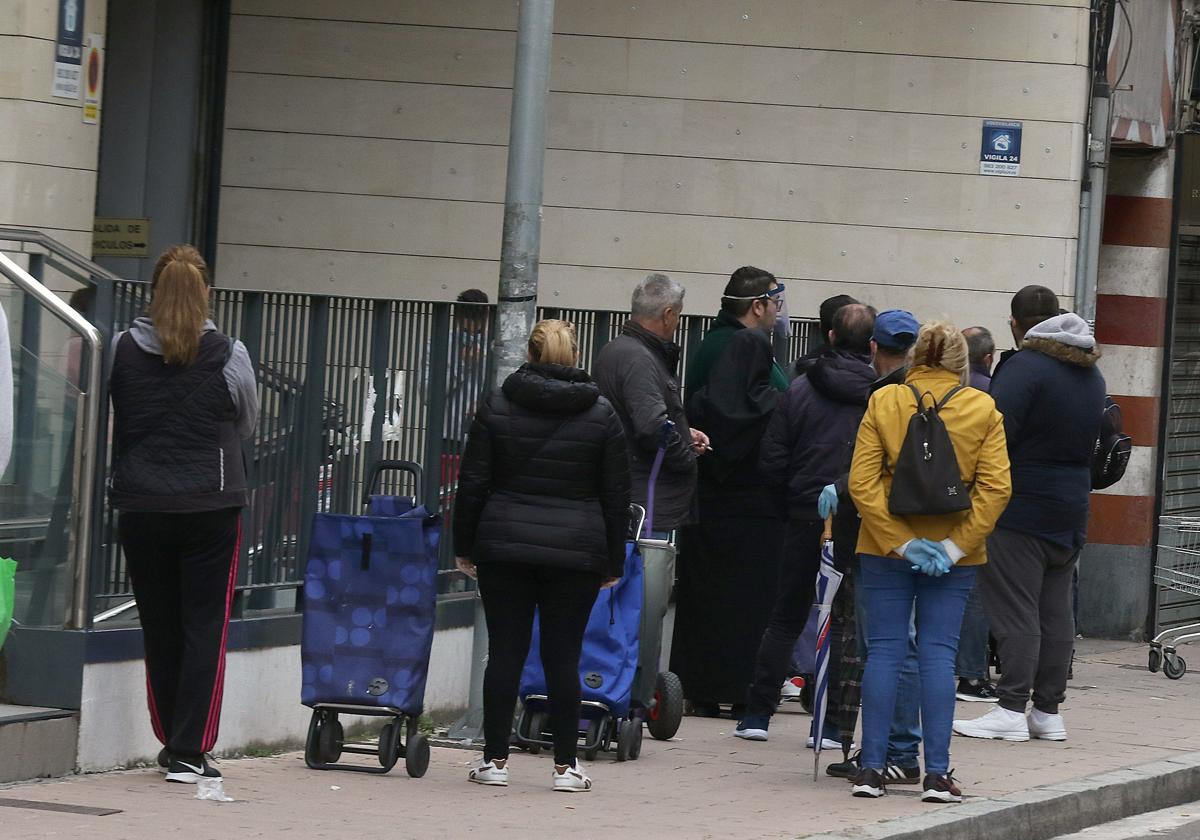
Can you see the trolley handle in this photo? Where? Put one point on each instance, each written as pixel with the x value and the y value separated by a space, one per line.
pixel 375 476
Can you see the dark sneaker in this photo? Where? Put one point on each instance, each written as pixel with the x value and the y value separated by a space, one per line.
pixel 164 758
pixel 191 770
pixel 892 774
pixel 941 788
pixel 976 691
pixel 753 728
pixel 868 784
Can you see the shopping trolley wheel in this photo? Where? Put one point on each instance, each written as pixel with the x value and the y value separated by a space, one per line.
pixel 806 694
pixel 635 751
pixel 1173 665
pixel 593 737
pixel 331 739
pixel 667 713
pixel 416 756
pixel 537 724
pixel 1154 660
pixel 626 736
pixel 317 725
pixel 389 745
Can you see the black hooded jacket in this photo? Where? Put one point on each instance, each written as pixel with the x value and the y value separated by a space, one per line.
pixel 545 476
pixel 811 433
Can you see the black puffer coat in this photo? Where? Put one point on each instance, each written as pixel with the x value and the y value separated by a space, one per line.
pixel 545 476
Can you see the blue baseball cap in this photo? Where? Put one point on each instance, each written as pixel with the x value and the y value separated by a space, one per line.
pixel 896 329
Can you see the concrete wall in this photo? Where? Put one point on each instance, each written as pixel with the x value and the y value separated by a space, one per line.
pixel 839 142
pixel 47 155
pixel 261 705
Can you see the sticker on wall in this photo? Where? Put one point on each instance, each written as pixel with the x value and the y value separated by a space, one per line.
pixel 1001 151
pixel 93 77
pixel 68 50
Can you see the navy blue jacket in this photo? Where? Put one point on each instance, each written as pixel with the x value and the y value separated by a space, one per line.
pixel 1051 396
pixel 812 432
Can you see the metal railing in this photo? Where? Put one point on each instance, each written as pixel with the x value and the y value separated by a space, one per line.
pixel 86 431
pixel 343 383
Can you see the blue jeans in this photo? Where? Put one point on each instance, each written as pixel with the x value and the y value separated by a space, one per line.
pixel 971 663
pixel 904 739
pixel 889 589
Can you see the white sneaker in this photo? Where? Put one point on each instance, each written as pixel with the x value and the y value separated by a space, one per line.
pixel 827 744
pixel 791 688
pixel 999 724
pixel 1047 727
pixel 487 773
pixel 572 780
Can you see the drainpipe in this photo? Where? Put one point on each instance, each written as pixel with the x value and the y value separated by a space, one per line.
pixel 516 309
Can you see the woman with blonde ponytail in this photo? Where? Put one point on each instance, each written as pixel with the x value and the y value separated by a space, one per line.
pixel 540 519
pixel 184 396
pixel 926 559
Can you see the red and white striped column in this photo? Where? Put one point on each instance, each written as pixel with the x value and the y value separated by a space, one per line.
pixel 1135 255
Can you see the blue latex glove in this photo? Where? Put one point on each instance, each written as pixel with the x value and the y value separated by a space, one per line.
pixel 927 557
pixel 827 502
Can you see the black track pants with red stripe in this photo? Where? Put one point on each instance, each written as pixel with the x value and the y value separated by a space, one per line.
pixel 183 567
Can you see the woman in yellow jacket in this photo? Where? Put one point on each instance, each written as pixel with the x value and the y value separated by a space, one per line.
pixel 927 559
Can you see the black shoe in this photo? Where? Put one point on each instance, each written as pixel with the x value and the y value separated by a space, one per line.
pixel 868 784
pixel 708 710
pixel 164 758
pixel 941 789
pixel 976 691
pixel 893 774
pixel 191 770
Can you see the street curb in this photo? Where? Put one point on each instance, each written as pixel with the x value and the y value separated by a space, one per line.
pixel 1049 811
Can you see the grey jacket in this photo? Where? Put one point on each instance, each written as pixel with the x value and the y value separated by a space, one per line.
pixel 636 372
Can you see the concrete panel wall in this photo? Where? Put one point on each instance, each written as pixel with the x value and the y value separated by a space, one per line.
pixel 835 144
pixel 47 155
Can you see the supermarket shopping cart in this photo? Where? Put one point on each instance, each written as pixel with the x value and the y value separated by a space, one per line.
pixel 1177 567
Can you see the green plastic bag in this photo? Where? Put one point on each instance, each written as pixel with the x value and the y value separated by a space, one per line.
pixel 8 594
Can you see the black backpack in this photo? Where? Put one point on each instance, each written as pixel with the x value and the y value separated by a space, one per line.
pixel 926 480
pixel 1113 447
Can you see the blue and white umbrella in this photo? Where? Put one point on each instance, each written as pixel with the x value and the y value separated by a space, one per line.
pixel 828 581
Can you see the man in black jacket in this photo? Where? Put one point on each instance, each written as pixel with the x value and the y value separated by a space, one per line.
pixel 804 449
pixel 636 371
pixel 1051 395
pixel 829 308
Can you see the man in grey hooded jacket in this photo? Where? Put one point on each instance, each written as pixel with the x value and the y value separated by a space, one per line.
pixel 1051 395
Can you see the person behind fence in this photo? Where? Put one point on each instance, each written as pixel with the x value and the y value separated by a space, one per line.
pixel 729 559
pixel 924 522
pixel 805 448
pixel 971 664
pixel 184 396
pixel 1052 397
pixel 541 521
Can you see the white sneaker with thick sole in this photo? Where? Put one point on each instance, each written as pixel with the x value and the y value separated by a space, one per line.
pixel 572 780
pixel 487 773
pixel 999 724
pixel 792 689
pixel 1047 727
pixel 826 744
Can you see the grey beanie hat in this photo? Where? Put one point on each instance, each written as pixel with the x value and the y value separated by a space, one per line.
pixel 1068 329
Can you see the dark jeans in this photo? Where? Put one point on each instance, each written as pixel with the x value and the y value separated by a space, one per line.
pixel 563 599
pixel 794 596
pixel 972 660
pixel 890 588
pixel 183 567
pixel 1026 587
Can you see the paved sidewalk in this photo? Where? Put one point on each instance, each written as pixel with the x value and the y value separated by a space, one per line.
pixel 703 784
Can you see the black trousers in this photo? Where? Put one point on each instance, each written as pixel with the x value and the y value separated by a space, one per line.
pixel 794 597
pixel 183 567
pixel 563 599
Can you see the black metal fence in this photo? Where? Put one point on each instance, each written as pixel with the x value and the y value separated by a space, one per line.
pixel 345 382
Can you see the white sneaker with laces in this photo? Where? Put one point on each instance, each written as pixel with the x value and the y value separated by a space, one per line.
pixel 572 779
pixel 1047 727
pixel 999 724
pixel 791 688
pixel 827 744
pixel 487 773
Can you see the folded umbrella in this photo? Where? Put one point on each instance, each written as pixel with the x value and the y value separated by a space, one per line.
pixel 828 581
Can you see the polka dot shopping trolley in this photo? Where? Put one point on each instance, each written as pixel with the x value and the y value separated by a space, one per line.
pixel 370 591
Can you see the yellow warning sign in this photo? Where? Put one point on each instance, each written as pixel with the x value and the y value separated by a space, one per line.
pixel 120 237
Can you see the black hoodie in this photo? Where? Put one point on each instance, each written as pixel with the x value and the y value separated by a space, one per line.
pixel 545 476
pixel 810 434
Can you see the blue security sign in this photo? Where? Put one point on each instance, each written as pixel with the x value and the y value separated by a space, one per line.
pixel 1001 151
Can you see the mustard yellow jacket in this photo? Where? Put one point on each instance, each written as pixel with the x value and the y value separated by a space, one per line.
pixel 977 430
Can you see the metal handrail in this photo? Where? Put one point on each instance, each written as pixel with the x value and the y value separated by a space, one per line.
pixel 56 248
pixel 86 433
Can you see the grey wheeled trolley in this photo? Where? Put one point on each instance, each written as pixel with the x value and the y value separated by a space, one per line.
pixel 1177 567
